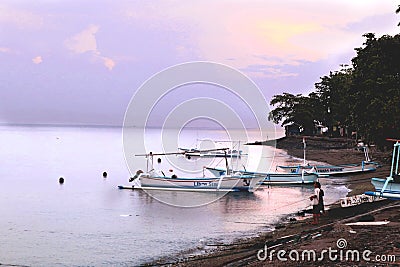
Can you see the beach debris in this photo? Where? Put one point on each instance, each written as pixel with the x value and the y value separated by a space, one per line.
pixel 341 228
pixel 61 180
pixel 104 174
pixel 368 223
pixel 316 236
pixel 352 232
pixel 357 200
pixel 292 219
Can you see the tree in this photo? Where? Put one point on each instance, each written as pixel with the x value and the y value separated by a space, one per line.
pixel 376 87
pixel 294 109
pixel 333 91
pixel 363 97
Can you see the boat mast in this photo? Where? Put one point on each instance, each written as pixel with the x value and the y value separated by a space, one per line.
pixel 304 151
pixel 398 156
pixel 226 163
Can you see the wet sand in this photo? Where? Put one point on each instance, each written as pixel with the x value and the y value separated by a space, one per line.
pixel 382 240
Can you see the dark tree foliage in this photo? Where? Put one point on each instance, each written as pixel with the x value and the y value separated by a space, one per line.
pixel 293 109
pixel 363 98
pixel 376 88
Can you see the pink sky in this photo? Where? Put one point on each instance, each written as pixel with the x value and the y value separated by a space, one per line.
pixel 80 62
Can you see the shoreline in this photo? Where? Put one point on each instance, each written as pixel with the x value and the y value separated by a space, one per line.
pixel 303 236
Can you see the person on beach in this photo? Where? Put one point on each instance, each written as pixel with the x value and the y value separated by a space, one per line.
pixel 315 202
pixel 321 198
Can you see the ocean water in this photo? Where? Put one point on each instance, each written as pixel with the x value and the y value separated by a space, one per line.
pixel 88 221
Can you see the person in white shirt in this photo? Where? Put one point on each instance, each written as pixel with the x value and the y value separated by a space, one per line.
pixel 315 201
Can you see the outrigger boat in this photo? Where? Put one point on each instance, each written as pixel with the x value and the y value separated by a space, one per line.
pixel 214 153
pixel 157 180
pixel 389 187
pixel 275 178
pixel 193 152
pixel 342 169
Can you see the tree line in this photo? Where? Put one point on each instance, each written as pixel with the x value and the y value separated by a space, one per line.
pixel 362 98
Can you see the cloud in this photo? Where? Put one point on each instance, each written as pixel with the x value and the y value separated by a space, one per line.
pixel 5 50
pixel 109 63
pixel 252 32
pixel 37 60
pixel 85 41
pixel 22 18
pixel 266 71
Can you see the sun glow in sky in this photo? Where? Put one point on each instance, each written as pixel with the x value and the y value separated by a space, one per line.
pixel 80 62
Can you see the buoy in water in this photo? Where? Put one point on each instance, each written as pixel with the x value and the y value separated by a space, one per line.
pixel 61 180
pixel 104 174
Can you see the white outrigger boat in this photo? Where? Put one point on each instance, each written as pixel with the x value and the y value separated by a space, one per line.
pixel 192 152
pixel 214 153
pixel 157 180
pixel 389 187
pixel 342 169
pixel 275 178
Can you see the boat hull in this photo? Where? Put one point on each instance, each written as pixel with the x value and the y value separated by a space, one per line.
pixel 390 188
pixel 290 178
pixel 276 178
pixel 223 183
pixel 332 170
pixel 394 196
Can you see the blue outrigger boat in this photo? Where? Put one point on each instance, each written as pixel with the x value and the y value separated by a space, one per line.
pixel 389 187
pixel 341 169
pixel 274 178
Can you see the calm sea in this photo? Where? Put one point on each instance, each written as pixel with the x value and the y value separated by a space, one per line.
pixel 87 221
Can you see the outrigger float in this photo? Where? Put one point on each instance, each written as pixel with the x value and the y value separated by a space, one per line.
pixel 389 187
pixel 157 180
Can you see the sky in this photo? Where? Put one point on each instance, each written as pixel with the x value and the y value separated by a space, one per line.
pixel 80 62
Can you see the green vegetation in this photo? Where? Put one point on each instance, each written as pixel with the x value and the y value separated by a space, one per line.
pixel 362 98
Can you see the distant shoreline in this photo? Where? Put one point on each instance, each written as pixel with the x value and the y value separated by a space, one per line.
pixel 59 125
pixel 111 126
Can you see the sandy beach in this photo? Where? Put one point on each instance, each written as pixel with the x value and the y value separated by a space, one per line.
pixel 381 243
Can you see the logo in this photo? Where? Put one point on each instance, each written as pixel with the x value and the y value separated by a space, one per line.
pixel 186 100
pixel 340 253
